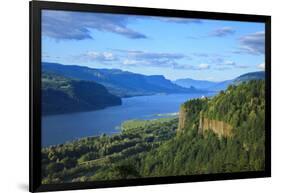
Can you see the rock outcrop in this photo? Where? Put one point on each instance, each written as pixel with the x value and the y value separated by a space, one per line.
pixel 189 114
pixel 220 128
pixel 187 120
pixel 182 118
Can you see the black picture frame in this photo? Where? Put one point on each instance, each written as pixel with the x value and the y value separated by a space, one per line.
pixel 35 94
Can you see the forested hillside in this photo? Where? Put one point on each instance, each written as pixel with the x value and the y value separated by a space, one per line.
pixel 163 148
pixel 106 157
pixel 65 95
pixel 190 152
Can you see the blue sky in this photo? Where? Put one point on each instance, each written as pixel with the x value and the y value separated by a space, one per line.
pixel 174 47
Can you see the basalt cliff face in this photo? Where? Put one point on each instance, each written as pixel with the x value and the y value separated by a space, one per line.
pixel 220 128
pixel 182 118
pixel 187 120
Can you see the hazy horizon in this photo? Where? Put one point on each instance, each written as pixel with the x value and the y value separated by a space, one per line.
pixel 150 74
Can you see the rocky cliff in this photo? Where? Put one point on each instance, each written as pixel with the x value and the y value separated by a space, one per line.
pixel 220 128
pixel 191 118
pixel 182 118
pixel 189 114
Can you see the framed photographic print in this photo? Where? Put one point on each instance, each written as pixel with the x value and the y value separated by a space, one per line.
pixel 125 96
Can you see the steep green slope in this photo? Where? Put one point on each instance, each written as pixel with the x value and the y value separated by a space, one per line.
pixel 191 152
pixel 64 95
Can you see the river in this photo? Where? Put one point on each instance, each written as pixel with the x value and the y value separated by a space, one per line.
pixel 57 129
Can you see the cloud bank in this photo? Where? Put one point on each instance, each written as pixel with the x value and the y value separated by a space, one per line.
pixel 222 32
pixel 67 25
pixel 252 44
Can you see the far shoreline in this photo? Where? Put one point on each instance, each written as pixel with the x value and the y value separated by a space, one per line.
pixel 157 94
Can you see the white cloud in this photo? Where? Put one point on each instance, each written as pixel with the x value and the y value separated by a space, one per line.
pixel 133 62
pixel 261 66
pixel 229 63
pixel 98 56
pixel 179 20
pixel 203 66
pixel 252 44
pixel 152 59
pixel 224 31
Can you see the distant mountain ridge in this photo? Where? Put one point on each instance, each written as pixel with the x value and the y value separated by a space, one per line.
pixel 259 75
pixel 217 86
pixel 118 82
pixel 203 84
